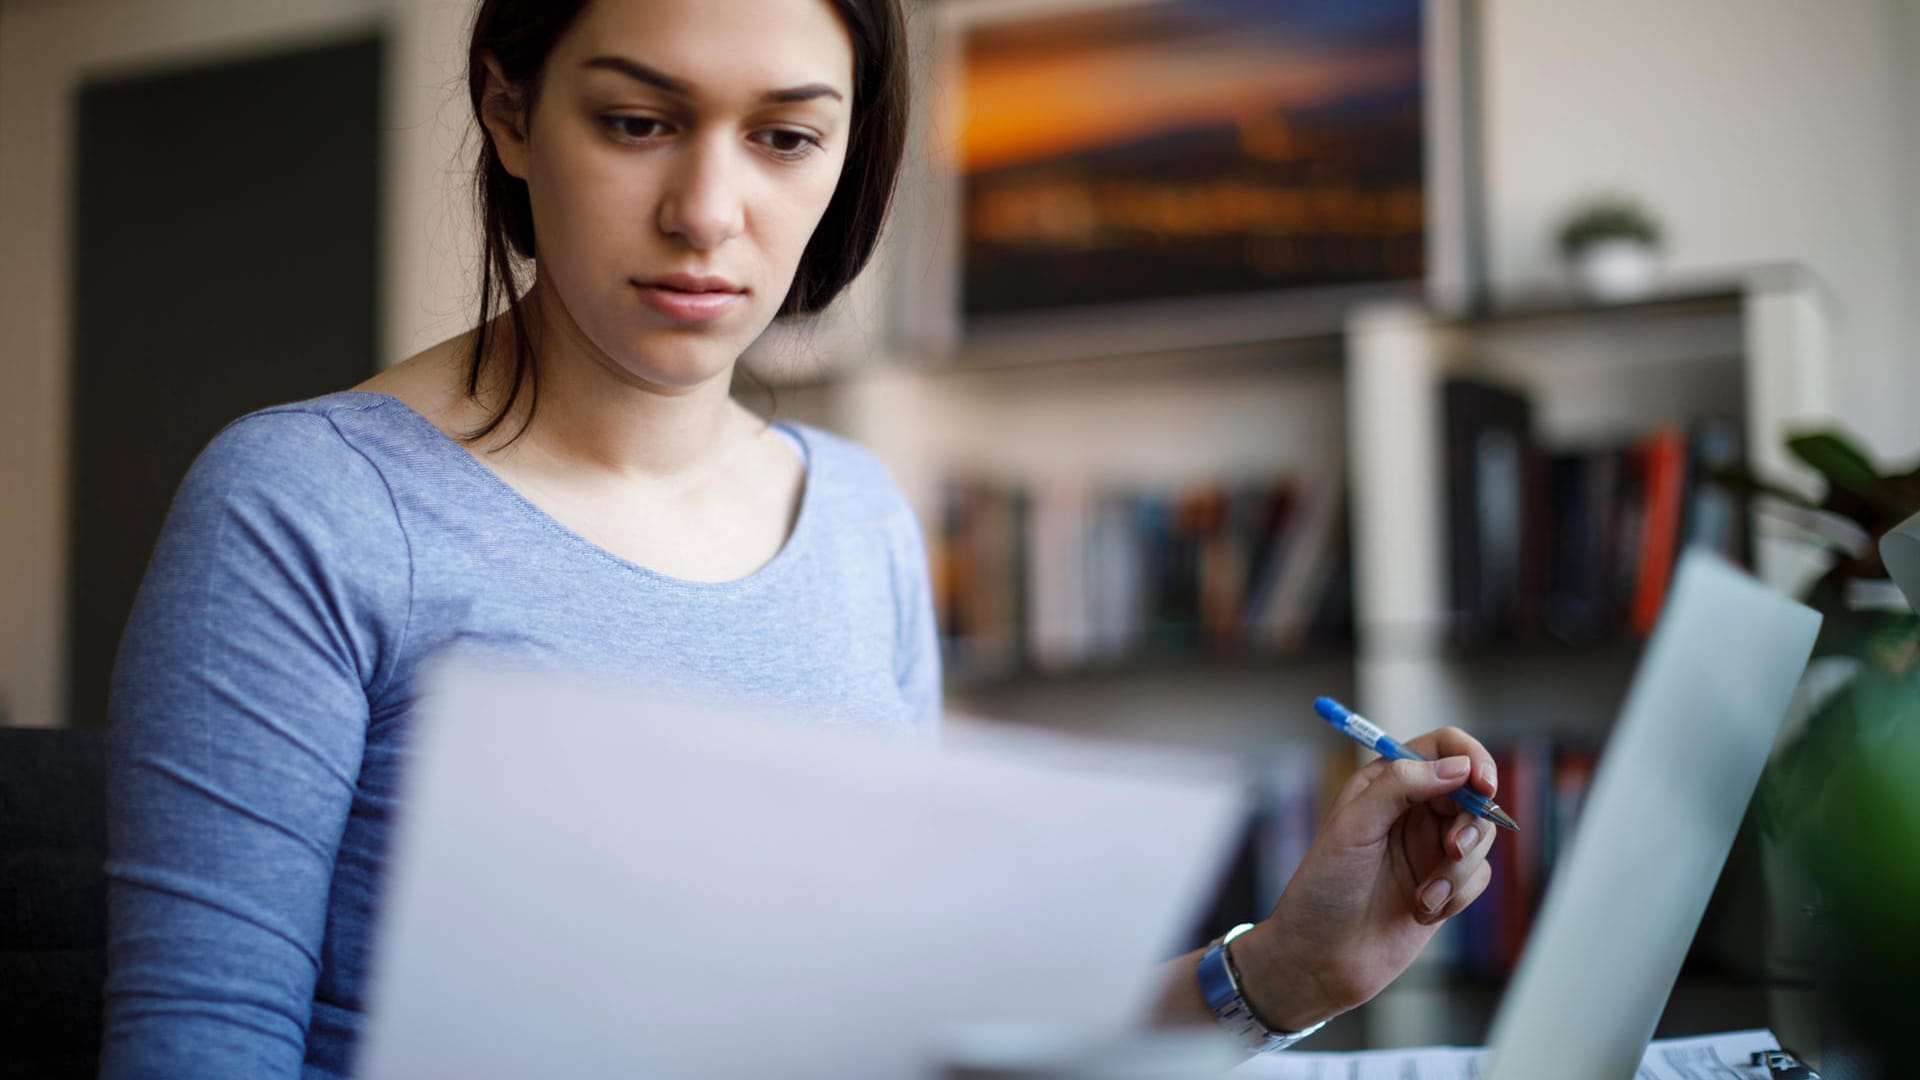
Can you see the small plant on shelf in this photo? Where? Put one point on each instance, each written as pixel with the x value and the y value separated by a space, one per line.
pixel 1612 245
pixel 1608 217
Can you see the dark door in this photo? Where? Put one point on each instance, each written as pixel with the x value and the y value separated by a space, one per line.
pixel 225 259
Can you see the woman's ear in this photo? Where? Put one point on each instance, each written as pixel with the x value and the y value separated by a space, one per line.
pixel 505 117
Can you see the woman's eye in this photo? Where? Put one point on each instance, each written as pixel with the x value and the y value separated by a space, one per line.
pixel 634 127
pixel 789 144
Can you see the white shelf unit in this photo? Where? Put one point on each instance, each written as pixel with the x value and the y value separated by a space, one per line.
pixel 1365 402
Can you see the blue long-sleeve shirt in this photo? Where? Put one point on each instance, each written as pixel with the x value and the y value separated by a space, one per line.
pixel 314 556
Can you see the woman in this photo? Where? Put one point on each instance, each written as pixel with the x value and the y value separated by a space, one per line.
pixel 572 481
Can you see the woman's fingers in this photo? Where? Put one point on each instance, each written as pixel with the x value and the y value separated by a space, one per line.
pixel 1462 878
pixel 1394 788
pixel 1362 778
pixel 1455 894
pixel 1451 742
pixel 1443 742
pixel 1469 836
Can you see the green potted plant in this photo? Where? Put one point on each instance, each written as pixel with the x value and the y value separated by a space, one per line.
pixel 1860 707
pixel 1611 244
pixel 1869 644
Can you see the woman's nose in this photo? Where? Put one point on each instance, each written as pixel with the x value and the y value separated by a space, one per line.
pixel 703 203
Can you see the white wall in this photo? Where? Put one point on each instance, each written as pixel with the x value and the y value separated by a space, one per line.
pixel 1904 42
pixel 47 48
pixel 432 247
pixel 1761 130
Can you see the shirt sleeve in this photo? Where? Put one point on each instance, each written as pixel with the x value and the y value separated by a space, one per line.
pixel 269 616
pixel 917 642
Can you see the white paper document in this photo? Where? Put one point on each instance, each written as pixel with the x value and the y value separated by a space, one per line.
pixel 589 882
pixel 1727 1056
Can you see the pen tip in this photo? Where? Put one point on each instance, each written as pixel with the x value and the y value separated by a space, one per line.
pixel 1501 818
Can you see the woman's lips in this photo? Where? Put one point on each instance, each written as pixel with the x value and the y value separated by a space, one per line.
pixel 687 305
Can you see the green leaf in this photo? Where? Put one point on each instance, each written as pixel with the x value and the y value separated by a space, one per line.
pixel 1845 468
pixel 1742 481
pixel 1836 457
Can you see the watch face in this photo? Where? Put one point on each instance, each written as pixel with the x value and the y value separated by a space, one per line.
pixel 1216 982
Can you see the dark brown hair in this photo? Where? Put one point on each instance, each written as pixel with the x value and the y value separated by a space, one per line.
pixel 519 35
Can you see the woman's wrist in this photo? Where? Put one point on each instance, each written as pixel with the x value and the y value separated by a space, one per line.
pixel 1281 992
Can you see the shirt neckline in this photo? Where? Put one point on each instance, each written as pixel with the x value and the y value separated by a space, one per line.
pixel 800 534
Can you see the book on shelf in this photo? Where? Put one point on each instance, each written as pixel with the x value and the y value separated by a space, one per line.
pixel 975 564
pixel 1489 441
pixel 1576 544
pixel 1063 573
pixel 1317 550
pixel 1663 472
pixel 1058 526
pixel 1543 784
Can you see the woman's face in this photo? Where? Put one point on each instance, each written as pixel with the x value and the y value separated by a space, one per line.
pixel 678 158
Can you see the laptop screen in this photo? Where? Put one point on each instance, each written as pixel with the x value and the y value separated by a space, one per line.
pixel 1701 717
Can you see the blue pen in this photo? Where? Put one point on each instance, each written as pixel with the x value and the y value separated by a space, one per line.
pixel 1362 731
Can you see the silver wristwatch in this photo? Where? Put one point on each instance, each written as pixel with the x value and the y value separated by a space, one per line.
pixel 1220 986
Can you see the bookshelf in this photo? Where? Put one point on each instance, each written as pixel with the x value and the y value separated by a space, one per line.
pixel 1363 404
pixel 1753 348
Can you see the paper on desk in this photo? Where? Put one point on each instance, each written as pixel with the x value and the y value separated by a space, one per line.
pixel 1725 1056
pixel 588 881
pixel 1708 1057
pixel 1425 1063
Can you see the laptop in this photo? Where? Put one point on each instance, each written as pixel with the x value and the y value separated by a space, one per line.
pixel 588 880
pixel 1673 784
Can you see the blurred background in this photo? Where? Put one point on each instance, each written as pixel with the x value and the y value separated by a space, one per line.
pixel 1233 352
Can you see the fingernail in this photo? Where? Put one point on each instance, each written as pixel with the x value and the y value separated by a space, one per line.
pixel 1486 777
pixel 1469 836
pixel 1436 895
pixel 1452 768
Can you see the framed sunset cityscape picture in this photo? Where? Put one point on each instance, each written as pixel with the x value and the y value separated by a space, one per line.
pixel 1136 150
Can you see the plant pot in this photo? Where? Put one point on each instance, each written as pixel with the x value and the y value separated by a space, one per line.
pixel 1791 947
pixel 1615 270
pixel 1792 944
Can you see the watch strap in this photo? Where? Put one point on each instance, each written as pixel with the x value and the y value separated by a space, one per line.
pixel 1220 986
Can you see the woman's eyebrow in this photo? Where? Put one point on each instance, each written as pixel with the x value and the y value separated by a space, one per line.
pixel 801 93
pixel 680 88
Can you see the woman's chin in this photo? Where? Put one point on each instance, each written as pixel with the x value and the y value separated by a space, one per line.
pixel 679 365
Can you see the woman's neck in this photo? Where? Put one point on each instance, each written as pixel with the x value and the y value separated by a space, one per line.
pixel 593 417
